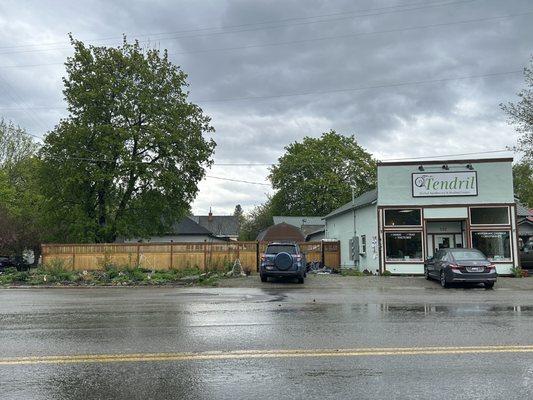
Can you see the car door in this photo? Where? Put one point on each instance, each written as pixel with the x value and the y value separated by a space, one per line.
pixel 443 260
pixel 433 268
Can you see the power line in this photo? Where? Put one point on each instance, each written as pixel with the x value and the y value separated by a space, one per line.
pixel 386 159
pixel 237 180
pixel 14 97
pixel 446 155
pixel 354 89
pixel 325 38
pixel 344 17
pixel 236 26
pixel 360 88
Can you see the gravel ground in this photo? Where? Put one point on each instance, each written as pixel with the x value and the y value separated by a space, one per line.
pixel 363 282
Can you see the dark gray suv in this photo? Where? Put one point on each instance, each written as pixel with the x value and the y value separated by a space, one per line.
pixel 283 260
pixel 460 265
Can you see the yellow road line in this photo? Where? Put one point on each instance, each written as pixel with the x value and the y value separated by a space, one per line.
pixel 250 354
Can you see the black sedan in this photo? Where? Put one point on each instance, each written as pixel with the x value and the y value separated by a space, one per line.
pixel 460 265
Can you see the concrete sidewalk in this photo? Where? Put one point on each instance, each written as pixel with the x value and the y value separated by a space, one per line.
pixel 335 281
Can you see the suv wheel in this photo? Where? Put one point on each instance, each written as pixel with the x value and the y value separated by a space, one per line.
pixel 443 281
pixel 489 285
pixel 300 279
pixel 264 278
pixel 426 273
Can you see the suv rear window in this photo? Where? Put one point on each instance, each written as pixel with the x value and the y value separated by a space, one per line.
pixel 469 255
pixel 280 248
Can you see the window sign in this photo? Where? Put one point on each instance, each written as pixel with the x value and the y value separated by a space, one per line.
pixel 442 184
pixel 404 246
pixel 494 244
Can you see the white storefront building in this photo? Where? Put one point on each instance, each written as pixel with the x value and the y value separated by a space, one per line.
pixel 421 206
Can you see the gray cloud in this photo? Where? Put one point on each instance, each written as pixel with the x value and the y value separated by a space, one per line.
pixel 416 120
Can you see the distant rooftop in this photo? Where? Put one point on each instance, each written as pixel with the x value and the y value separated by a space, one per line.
pixel 219 225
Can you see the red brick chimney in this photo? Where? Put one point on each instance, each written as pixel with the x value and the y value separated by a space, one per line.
pixel 210 215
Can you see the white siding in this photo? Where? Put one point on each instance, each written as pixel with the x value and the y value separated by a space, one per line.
pixel 341 227
pixel 366 223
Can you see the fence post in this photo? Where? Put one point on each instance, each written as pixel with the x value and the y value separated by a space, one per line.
pixel 138 255
pixel 205 256
pixel 171 254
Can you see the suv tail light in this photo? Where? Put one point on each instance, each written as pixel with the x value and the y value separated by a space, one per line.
pixel 491 267
pixel 263 257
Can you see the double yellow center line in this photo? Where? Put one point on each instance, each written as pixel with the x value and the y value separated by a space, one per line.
pixel 259 354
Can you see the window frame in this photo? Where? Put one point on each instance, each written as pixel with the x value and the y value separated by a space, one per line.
pixel 409 261
pixel 399 209
pixel 363 244
pixel 490 224
pixel 496 229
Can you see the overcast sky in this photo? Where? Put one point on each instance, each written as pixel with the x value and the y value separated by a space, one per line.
pixel 380 69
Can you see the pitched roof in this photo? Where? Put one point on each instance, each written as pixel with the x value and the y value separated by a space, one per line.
pixel 186 226
pixel 219 225
pixel 282 233
pixel 361 201
pixel 317 232
pixel 522 210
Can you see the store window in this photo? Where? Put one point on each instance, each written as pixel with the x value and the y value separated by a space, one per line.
pixel 363 244
pixel 496 245
pixel 403 217
pixel 489 215
pixel 404 246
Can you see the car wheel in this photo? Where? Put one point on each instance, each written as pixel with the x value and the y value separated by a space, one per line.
pixel 443 280
pixel 489 285
pixel 301 279
pixel 264 278
pixel 426 273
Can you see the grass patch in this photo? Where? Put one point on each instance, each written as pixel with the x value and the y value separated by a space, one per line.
pixel 352 272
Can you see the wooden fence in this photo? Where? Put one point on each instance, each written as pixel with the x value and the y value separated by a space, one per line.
pixel 162 256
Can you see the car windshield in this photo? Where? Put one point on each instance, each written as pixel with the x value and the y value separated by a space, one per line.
pixel 467 255
pixel 280 248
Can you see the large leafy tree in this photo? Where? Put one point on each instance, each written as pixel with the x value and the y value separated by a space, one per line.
pixel 318 175
pixel 20 200
pixel 15 145
pixel 258 219
pixel 128 158
pixel 523 182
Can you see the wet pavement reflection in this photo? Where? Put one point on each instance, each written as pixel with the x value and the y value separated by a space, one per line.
pixel 63 322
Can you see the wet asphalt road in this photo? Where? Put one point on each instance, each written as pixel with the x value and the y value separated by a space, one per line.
pixel 50 322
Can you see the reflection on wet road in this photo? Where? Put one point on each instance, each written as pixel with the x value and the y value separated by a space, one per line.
pixel 124 322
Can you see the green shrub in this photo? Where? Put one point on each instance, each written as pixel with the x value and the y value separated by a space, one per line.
pixel 10 271
pixel 386 273
pixel 351 272
pixel 517 272
pixel 6 279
